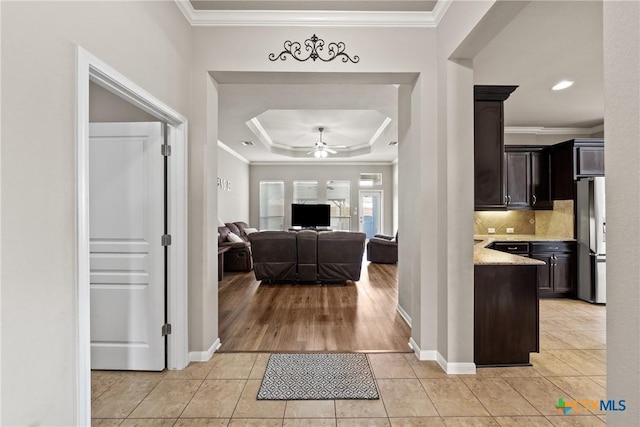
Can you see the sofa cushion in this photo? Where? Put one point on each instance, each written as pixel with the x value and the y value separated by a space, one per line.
pixel 307 242
pixel 223 232
pixel 275 255
pixel 233 237
pixel 340 255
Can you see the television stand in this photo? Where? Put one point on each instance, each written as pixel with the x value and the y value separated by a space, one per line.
pixel 311 228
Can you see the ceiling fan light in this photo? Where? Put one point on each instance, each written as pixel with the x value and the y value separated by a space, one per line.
pixel 320 154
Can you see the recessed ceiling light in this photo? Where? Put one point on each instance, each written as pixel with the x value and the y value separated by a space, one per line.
pixel 562 84
pixel 393 142
pixel 247 143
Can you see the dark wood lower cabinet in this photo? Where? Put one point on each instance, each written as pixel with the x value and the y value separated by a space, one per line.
pixel 557 278
pixel 545 275
pixel 506 314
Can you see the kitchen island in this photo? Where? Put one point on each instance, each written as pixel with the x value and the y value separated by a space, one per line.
pixel 506 308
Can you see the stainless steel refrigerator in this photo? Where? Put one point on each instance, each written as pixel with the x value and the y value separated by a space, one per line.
pixel 592 240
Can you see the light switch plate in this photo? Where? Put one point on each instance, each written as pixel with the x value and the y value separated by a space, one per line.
pixel 491 230
pixel 509 230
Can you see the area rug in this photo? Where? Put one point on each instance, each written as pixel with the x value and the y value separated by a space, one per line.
pixel 325 376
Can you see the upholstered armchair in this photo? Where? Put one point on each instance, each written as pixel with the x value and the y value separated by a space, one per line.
pixel 383 249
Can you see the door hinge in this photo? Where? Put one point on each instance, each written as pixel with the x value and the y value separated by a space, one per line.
pixel 166 329
pixel 166 239
pixel 166 150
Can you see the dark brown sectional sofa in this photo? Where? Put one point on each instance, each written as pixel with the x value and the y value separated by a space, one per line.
pixel 307 256
pixel 238 257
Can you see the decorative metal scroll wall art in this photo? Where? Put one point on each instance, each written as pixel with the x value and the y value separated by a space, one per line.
pixel 315 47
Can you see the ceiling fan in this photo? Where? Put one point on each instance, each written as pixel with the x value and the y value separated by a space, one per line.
pixel 321 149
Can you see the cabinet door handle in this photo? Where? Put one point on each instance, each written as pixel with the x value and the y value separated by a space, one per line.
pixel 535 199
pixel 512 248
pixel 509 199
pixel 505 200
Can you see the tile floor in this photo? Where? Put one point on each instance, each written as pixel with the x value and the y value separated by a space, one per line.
pixel 222 392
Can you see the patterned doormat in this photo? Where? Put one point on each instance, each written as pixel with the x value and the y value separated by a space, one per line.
pixel 324 376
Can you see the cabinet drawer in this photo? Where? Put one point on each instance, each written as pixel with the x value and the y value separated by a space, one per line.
pixel 537 247
pixel 512 247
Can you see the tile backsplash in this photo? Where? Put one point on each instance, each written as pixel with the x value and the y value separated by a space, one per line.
pixel 522 222
pixel 556 223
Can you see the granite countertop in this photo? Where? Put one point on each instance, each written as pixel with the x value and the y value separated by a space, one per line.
pixel 484 256
pixel 519 238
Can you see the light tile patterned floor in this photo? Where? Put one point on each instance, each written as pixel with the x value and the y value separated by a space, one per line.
pixel 222 392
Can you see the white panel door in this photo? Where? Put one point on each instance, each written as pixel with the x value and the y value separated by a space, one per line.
pixel 127 221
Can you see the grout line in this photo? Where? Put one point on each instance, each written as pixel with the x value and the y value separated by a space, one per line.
pixel 194 395
pixel 142 400
pixel 477 398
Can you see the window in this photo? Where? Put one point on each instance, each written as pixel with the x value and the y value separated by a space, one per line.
pixel 271 205
pixel 305 192
pixel 370 179
pixel 339 198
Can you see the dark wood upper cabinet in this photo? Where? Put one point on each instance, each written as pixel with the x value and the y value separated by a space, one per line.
pixel 518 179
pixel 572 160
pixel 540 183
pixel 589 160
pixel 527 177
pixel 490 183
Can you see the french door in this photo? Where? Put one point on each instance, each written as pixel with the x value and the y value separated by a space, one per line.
pixel 370 212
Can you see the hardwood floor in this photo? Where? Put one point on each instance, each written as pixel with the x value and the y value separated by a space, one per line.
pixel 359 316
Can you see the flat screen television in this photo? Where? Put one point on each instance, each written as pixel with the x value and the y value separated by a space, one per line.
pixel 310 216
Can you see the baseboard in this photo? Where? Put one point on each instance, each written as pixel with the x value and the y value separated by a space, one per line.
pixel 205 356
pixel 456 368
pixel 404 314
pixel 422 354
pixel 450 368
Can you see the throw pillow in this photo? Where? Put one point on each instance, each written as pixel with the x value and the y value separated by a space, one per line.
pixel 233 237
pixel 248 231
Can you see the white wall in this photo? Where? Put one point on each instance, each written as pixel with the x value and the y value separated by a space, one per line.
pixel 454 293
pixel 150 43
pixel 233 194
pixel 383 51
pixel 622 157
pixel 107 107
pixel 394 188
pixel 322 174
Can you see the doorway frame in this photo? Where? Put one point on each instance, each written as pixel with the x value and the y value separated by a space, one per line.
pixel 90 68
pixel 381 214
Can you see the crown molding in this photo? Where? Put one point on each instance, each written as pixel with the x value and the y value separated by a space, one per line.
pixel 314 162
pixel 304 18
pixel 233 152
pixel 540 130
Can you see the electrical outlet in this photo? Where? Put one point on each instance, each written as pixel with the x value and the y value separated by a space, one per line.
pixel 509 230
pixel 491 230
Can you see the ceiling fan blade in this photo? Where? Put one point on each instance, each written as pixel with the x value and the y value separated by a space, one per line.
pixel 312 151
pixel 329 150
pixel 338 146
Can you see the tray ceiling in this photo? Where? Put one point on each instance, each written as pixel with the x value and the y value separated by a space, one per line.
pixel 331 5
